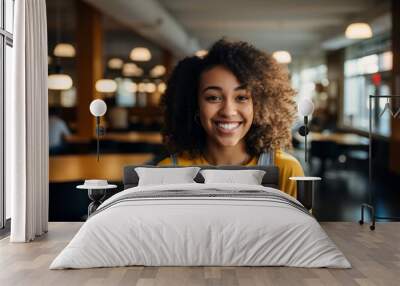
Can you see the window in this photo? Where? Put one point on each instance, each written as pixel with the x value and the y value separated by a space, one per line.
pixel 9 15
pixel 304 80
pixel 6 63
pixel 367 71
pixel 364 76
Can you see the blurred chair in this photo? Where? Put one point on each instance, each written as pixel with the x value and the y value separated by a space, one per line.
pixel 323 150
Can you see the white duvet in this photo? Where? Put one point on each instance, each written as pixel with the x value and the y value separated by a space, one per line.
pixel 183 231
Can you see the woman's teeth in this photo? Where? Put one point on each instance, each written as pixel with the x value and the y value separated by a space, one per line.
pixel 228 126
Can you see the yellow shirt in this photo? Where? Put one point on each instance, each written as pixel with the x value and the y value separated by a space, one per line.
pixel 287 164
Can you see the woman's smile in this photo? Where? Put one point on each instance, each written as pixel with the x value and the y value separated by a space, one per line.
pixel 227 127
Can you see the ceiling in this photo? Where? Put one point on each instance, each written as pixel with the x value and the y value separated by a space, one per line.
pixel 303 27
pixel 299 26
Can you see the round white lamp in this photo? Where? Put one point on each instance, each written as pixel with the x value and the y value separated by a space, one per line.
pixel 305 185
pixel 305 108
pixel 98 108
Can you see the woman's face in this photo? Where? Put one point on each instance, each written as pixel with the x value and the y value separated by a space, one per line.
pixel 225 107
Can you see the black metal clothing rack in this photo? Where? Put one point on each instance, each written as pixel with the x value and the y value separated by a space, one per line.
pixel 371 201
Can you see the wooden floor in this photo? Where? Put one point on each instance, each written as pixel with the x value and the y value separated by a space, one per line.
pixel 375 256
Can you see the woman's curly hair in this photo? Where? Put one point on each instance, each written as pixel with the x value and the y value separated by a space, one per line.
pixel 269 85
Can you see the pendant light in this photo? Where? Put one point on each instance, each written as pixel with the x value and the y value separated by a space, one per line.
pixel 150 87
pixel 130 86
pixel 161 87
pixel 157 71
pixel 59 80
pixel 131 70
pixel 115 63
pixel 141 87
pixel 201 53
pixel 105 85
pixel 282 57
pixel 64 50
pixel 358 31
pixel 140 54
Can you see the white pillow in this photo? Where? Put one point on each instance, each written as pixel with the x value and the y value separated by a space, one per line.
pixel 164 176
pixel 249 177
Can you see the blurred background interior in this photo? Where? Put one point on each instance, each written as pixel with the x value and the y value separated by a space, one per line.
pixel 122 52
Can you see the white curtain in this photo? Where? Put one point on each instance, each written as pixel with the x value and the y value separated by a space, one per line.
pixel 27 124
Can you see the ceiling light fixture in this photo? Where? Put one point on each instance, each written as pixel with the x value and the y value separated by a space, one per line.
pixel 282 57
pixel 130 86
pixel 161 87
pixel 59 82
pixel 64 50
pixel 106 85
pixel 131 69
pixel 150 87
pixel 115 63
pixel 358 31
pixel 157 71
pixel 140 54
pixel 141 87
pixel 201 53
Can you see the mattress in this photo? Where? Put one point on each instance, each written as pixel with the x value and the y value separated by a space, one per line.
pixel 201 225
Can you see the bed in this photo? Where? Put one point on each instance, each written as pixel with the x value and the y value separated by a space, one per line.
pixel 201 224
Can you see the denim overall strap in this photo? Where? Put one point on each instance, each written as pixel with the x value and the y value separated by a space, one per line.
pixel 174 160
pixel 267 158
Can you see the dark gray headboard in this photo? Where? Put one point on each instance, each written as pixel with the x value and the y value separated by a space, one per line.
pixel 270 179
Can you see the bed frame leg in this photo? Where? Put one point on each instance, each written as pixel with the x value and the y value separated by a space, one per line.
pixel 372 226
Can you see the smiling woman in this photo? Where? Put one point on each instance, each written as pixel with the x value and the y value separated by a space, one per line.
pixel 235 106
pixel 226 115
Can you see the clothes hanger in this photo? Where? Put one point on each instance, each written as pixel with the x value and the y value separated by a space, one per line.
pixel 397 113
pixel 388 107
